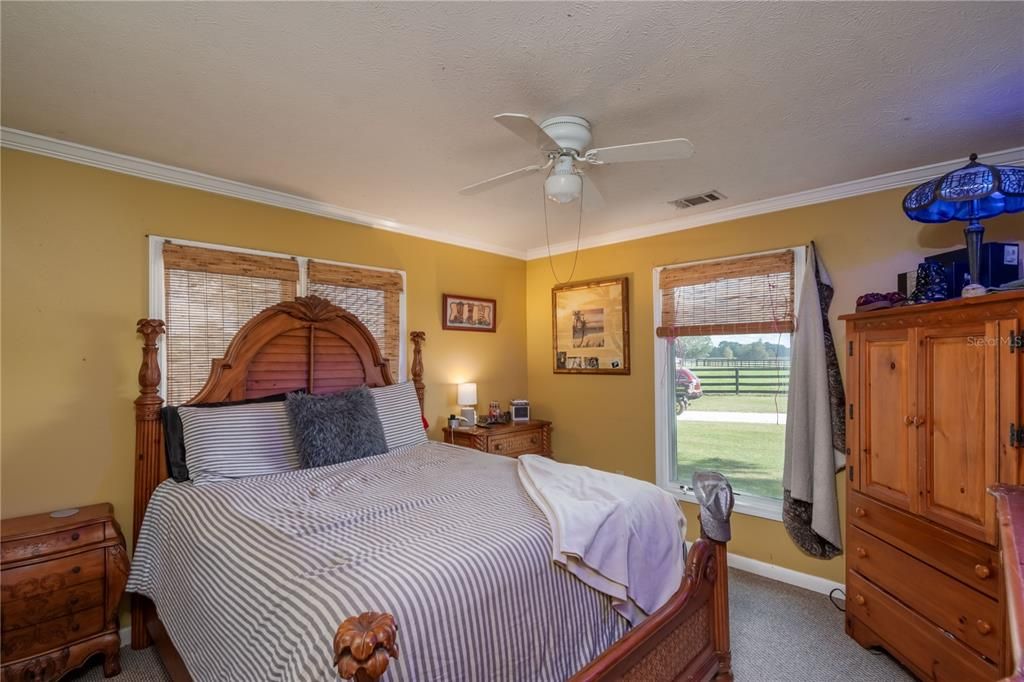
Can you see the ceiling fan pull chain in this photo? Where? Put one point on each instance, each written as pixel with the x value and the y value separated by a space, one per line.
pixel 547 236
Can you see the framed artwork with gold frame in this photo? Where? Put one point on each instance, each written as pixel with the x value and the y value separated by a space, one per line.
pixel 590 327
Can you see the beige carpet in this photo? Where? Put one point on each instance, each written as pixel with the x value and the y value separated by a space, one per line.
pixel 779 634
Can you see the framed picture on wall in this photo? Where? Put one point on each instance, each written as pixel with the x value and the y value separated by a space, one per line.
pixel 590 327
pixel 468 313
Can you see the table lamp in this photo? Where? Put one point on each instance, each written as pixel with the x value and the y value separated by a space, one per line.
pixel 970 193
pixel 467 401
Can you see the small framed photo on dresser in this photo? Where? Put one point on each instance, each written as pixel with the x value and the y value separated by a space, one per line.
pixel 468 313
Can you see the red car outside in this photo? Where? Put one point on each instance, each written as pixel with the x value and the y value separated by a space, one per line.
pixel 687 388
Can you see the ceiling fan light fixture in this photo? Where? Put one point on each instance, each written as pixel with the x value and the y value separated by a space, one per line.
pixel 563 188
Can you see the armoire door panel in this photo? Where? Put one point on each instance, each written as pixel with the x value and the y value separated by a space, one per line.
pixel 886 439
pixel 1011 391
pixel 957 425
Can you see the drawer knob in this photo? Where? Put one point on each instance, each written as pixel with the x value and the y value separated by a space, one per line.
pixel 859 599
pixel 76 569
pixel 74 536
pixel 73 601
pixel 908 420
pixel 861 552
pixel 983 627
pixel 497 446
pixel 982 571
pixel 74 627
pixel 860 511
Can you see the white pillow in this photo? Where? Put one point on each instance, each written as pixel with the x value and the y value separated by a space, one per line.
pixel 399 412
pixel 237 441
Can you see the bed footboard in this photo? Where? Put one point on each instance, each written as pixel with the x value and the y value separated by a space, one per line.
pixel 686 639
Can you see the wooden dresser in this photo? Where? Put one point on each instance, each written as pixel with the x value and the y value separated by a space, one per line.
pixel 933 420
pixel 514 439
pixel 62 580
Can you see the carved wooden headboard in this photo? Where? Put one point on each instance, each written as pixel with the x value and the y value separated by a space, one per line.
pixel 308 343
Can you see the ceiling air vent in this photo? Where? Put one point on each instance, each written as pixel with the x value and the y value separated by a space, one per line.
pixel 698 199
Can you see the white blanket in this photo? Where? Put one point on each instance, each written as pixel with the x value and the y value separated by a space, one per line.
pixel 621 536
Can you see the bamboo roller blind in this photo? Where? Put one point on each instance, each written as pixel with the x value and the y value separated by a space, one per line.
pixel 371 295
pixel 209 295
pixel 736 296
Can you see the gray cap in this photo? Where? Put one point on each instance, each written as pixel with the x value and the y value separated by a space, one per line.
pixel 716 499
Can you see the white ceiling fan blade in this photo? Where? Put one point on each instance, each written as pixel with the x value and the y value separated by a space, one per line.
pixel 526 128
pixel 592 198
pixel 498 179
pixel 661 150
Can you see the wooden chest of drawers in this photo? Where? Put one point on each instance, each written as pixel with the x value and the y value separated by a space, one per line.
pixel 518 438
pixel 62 581
pixel 934 399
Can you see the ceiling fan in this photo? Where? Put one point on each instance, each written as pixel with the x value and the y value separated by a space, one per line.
pixel 565 142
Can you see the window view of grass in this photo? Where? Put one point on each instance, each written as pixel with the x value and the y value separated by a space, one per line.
pixel 750 455
pixel 735 422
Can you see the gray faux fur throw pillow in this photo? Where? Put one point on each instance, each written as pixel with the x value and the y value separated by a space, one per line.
pixel 335 428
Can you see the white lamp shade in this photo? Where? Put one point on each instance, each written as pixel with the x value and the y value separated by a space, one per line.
pixel 467 394
pixel 563 188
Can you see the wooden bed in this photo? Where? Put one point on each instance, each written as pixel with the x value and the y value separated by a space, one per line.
pixel 313 345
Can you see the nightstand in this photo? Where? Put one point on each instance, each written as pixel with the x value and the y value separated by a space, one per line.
pixel 62 581
pixel 512 440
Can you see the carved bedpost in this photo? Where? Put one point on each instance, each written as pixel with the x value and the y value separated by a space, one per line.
pixel 720 613
pixel 417 363
pixel 364 645
pixel 716 499
pixel 148 452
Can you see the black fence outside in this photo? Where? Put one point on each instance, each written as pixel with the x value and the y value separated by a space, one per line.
pixel 743 379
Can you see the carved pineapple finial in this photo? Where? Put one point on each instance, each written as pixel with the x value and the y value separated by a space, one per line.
pixel 364 645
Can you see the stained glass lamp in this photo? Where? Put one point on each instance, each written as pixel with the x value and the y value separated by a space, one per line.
pixel 972 193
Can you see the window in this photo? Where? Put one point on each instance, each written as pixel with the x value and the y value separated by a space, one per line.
pixel 371 295
pixel 722 354
pixel 205 293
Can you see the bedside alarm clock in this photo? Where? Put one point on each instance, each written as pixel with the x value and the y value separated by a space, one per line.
pixel 520 410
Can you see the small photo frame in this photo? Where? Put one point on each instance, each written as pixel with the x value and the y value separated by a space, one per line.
pixel 468 313
pixel 590 327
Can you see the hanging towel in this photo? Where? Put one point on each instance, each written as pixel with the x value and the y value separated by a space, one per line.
pixel 815 422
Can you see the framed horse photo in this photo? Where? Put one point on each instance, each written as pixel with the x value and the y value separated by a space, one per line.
pixel 468 314
pixel 590 327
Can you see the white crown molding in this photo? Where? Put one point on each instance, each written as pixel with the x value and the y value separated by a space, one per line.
pixel 843 190
pixel 13 138
pixel 21 140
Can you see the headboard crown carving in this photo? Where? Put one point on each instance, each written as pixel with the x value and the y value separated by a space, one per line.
pixel 311 309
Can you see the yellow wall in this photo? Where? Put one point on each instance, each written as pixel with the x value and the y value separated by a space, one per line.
pixel 608 421
pixel 74 281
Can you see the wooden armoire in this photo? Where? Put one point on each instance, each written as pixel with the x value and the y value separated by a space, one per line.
pixel 934 416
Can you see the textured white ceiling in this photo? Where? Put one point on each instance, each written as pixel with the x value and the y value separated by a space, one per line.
pixel 386 107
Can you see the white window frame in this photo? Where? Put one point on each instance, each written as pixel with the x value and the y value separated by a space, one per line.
pixel 157 294
pixel 664 384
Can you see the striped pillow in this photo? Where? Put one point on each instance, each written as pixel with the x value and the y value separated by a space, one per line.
pixel 237 441
pixel 399 412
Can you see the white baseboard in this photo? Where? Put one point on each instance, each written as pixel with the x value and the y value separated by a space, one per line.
pixel 783 575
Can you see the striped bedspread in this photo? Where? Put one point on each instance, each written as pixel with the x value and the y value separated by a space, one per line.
pixel 251 577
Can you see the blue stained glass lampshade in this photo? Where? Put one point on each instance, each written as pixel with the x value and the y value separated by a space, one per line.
pixel 974 192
